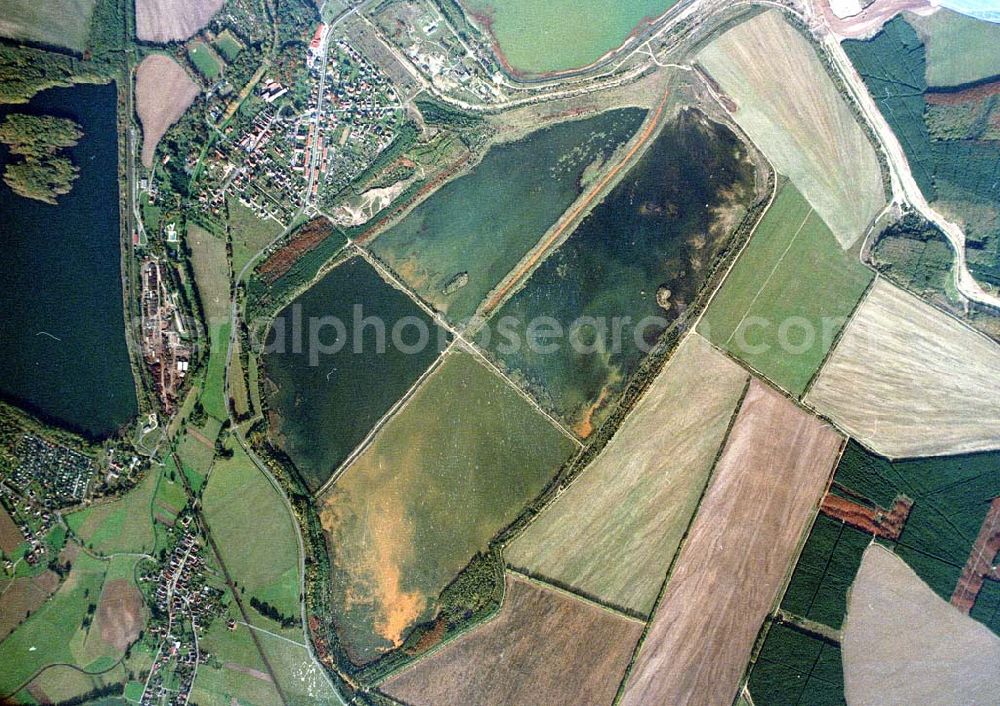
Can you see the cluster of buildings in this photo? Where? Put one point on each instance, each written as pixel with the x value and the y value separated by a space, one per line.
pixel 189 604
pixel 33 522
pixel 166 348
pixel 49 474
pixel 454 66
pixel 361 114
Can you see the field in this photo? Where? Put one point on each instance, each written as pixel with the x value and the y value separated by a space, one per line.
pixel 259 547
pixel 23 596
pixel 790 108
pixel 907 380
pixel 122 525
pixel 446 473
pixel 612 534
pixel 10 535
pixel 228 45
pixel 248 233
pixel 53 634
pixel 342 392
pixel 61 23
pixel 205 59
pixel 789 294
pixel 960 49
pixel 535 651
pixel 769 478
pixel 796 667
pixel 211 275
pixel 236 674
pixel 172 20
pixel 301 679
pixel 535 37
pixel 443 237
pixel 958 173
pixel 163 91
pixel 903 643
pixel 641 257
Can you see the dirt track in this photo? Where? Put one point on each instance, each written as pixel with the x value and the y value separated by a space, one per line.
pixel 771 474
pixel 172 20
pixel 163 91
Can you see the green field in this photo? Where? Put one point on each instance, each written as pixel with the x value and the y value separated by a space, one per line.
pixel 213 392
pixel 456 465
pixel 223 680
pixel 62 23
pixel 123 525
pixel 537 37
pixel 483 223
pixel 204 59
pixel 960 49
pixel 788 295
pixel 298 675
pixel 228 45
pixel 53 634
pixel 797 668
pixel 249 234
pixel 254 532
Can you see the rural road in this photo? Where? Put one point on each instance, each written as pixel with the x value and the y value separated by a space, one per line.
pixel 904 186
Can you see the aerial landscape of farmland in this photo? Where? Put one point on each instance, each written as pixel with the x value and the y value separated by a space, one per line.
pixel 500 352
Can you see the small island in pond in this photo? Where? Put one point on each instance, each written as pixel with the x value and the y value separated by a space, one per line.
pixel 38 167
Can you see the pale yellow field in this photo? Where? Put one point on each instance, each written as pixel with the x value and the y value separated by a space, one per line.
pixel 163 91
pixel 792 111
pixel 903 644
pixel 171 20
pixel 612 534
pixel 908 380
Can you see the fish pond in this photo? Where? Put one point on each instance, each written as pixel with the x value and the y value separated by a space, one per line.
pixel 585 319
pixel 462 241
pixel 539 37
pixel 62 334
pixel 337 358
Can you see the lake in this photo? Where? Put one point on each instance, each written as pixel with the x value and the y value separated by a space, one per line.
pixel 62 334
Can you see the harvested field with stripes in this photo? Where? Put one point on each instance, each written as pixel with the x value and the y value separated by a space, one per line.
pixel 792 111
pixel 904 644
pixel 163 91
pixel 612 534
pixel 907 380
pixel 734 560
pixel 172 20
pixel 543 648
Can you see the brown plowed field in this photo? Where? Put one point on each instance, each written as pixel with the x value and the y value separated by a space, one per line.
pixel 119 614
pixel 874 520
pixel 543 648
pixel 171 20
pixel 980 562
pixel 10 535
pixel 163 91
pixel 758 505
pixel 23 596
pixel 903 644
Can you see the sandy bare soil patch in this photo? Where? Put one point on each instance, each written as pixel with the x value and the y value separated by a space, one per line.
pixel 163 91
pixel 119 614
pixel 758 505
pixel 170 20
pixel 791 110
pixel 903 644
pixel 543 648
pixel 10 535
pixel 614 531
pixel 23 596
pixel 908 380
pixel 869 20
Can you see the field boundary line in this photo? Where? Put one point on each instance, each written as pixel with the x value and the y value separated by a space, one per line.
pixel 573 595
pixel 397 406
pixel 272 634
pixel 767 281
